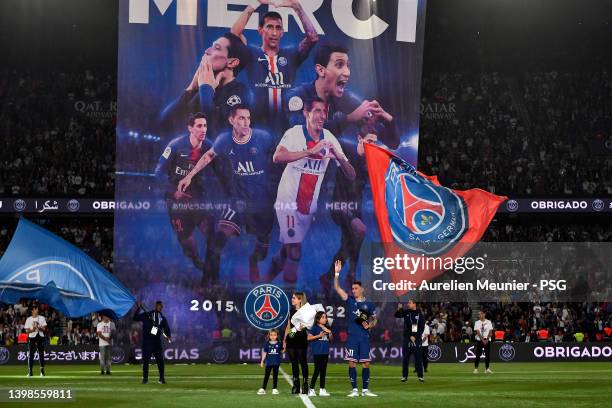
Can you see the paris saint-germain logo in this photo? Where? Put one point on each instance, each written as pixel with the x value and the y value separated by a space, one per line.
pixel 5 355
pixel 266 307
pixel 424 218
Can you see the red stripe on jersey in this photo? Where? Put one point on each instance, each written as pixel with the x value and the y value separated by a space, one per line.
pixel 305 194
pixel 275 91
pixel 196 153
pixel 307 185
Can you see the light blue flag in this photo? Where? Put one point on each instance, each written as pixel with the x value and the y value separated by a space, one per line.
pixel 40 265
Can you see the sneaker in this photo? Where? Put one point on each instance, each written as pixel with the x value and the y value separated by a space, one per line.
pixel 404 379
pixel 144 381
pixel 108 373
pixel 488 371
pixel 261 391
pixel 421 379
pixel 102 372
pixel 323 393
pixel 475 371
pixel 161 381
pixel 30 374
pixel 312 393
pixel 42 372
pixel 274 391
pixel 368 393
pixel 354 393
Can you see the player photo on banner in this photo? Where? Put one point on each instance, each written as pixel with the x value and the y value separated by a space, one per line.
pixel 240 134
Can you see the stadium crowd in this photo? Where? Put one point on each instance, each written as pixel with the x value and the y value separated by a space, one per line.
pixel 544 133
pixel 449 322
pixel 59 136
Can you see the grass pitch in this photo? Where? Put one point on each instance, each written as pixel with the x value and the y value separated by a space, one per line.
pixel 446 385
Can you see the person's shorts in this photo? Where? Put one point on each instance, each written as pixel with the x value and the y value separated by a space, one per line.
pixel 185 217
pixel 357 349
pixel 258 222
pixel 293 225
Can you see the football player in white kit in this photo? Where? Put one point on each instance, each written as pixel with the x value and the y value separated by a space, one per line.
pixel 307 150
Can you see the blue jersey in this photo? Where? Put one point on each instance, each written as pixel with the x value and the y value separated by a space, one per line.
pixel 356 309
pixel 271 76
pixel 176 161
pixel 250 163
pixel 274 353
pixel 319 346
pixel 216 104
pixel 337 108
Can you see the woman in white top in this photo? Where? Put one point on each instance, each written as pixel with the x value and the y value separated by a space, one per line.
pixel 36 326
pixel 483 328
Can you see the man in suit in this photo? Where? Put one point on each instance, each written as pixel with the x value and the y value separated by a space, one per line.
pixel 154 326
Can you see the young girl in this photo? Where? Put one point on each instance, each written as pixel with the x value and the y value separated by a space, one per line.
pixel 272 358
pixel 320 335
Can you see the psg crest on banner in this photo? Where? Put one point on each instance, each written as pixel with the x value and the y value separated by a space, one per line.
pixel 424 218
pixel 266 307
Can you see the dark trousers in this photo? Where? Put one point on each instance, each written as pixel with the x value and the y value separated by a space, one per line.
pixel 409 349
pixel 487 350
pixel 158 353
pixel 274 371
pixel 298 359
pixel 36 344
pixel 320 368
pixel 424 360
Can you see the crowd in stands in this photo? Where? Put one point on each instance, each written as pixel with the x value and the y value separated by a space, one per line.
pixel 60 330
pixel 542 134
pixel 448 322
pixel 58 134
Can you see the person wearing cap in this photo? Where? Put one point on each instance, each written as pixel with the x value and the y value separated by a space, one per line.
pixel 105 331
pixel 35 326
pixel 154 326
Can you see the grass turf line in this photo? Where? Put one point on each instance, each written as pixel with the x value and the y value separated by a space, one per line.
pixel 512 384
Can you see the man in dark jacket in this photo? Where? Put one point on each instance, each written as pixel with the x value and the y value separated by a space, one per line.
pixel 414 324
pixel 154 326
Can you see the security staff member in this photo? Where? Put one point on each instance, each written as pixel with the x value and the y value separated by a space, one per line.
pixel 414 324
pixel 154 325
pixel 35 327
pixel 484 330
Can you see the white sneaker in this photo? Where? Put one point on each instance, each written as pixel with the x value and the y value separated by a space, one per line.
pixel 261 392
pixel 274 391
pixel 488 371
pixel 312 393
pixel 368 393
pixel 323 393
pixel 475 371
pixel 354 393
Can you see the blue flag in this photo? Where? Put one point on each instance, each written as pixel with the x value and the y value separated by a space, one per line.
pixel 40 265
